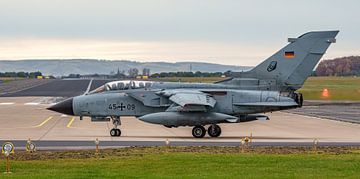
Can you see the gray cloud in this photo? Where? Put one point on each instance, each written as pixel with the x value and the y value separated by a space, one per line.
pixel 233 21
pixel 227 20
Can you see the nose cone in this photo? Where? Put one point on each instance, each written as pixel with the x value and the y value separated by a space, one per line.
pixel 65 107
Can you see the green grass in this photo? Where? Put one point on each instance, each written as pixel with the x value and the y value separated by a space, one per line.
pixel 8 79
pixel 150 163
pixel 339 88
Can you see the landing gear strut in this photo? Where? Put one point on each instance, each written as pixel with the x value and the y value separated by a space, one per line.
pixel 214 130
pixel 116 122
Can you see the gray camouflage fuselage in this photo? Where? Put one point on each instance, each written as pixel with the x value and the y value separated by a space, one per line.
pixel 143 101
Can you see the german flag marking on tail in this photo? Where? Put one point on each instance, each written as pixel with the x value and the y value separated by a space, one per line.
pixel 289 54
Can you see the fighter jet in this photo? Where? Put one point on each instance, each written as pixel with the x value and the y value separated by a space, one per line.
pixel 270 86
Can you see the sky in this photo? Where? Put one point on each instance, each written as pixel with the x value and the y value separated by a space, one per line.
pixel 233 32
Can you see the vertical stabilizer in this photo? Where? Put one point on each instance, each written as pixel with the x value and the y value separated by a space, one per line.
pixel 291 65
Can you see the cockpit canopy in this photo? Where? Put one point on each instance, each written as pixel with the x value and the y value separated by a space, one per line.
pixel 122 85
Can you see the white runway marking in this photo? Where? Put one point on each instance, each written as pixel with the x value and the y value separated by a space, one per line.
pixel 6 103
pixel 31 104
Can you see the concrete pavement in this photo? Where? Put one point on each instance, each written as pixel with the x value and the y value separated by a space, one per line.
pixel 26 117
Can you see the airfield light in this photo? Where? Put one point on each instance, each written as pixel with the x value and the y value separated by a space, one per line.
pixel 30 146
pixel 315 142
pixel 167 142
pixel 250 138
pixel 242 145
pixel 246 140
pixel 7 149
pixel 97 142
pixel 7 155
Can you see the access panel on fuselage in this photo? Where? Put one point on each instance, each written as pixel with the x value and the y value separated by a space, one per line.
pixel 245 96
pixel 223 101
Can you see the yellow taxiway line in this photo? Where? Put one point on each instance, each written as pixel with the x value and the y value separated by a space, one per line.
pixel 70 122
pixel 44 122
pixel 41 124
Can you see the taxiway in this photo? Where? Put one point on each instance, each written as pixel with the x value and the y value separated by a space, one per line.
pixel 24 116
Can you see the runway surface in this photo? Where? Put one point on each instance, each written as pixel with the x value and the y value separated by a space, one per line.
pixel 348 112
pixel 26 117
pixel 59 88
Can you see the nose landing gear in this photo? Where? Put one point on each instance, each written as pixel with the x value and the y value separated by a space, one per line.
pixel 115 132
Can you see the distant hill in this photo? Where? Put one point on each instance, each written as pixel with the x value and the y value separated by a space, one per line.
pixel 91 66
pixel 344 66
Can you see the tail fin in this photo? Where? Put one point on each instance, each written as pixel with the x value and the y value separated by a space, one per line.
pixel 291 65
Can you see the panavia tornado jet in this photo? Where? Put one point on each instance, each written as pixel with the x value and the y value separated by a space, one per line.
pixel 270 86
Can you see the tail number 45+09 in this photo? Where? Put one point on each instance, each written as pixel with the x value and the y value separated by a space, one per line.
pixel 122 106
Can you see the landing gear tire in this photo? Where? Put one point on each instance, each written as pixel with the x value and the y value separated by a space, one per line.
pixel 198 132
pixel 118 132
pixel 115 132
pixel 214 130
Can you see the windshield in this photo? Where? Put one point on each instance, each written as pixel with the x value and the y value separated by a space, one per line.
pixel 98 90
pixel 122 85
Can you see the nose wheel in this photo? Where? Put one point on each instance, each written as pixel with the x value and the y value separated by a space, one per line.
pixel 115 132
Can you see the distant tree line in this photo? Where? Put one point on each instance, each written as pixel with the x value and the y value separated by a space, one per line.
pixel 21 74
pixel 103 76
pixel 133 73
pixel 77 76
pixel 189 74
pixel 344 66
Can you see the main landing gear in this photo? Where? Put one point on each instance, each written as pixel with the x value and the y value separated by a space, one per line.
pixel 198 132
pixel 115 132
pixel 213 131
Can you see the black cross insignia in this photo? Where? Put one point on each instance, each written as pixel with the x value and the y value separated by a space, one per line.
pixel 122 106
